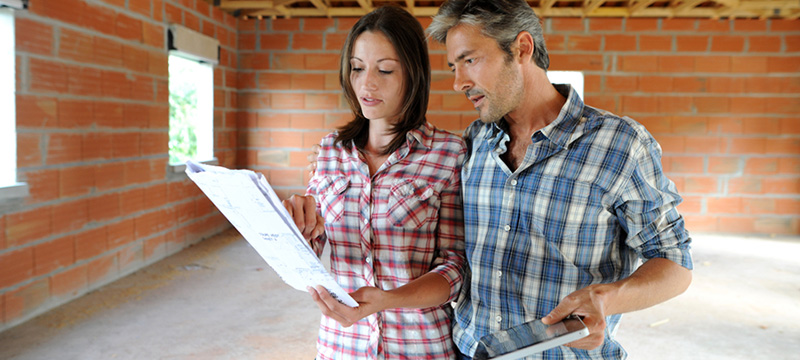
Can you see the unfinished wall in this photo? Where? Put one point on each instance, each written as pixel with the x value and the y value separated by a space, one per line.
pixel 92 122
pixel 721 96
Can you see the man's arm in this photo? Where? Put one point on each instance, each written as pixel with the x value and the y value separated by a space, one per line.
pixel 656 281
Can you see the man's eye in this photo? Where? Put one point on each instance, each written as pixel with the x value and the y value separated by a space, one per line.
pixel 469 61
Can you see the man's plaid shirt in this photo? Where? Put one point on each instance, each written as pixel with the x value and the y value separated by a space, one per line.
pixel 588 200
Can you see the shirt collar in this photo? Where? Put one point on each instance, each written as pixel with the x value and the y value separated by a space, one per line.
pixel 422 135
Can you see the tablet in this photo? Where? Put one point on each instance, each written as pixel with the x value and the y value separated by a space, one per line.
pixel 529 338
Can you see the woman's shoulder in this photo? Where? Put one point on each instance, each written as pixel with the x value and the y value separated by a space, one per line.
pixel 445 139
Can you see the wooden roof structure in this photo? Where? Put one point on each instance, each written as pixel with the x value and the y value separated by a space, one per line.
pixel 713 9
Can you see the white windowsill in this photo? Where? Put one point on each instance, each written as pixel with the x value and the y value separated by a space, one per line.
pixel 15 191
pixel 181 168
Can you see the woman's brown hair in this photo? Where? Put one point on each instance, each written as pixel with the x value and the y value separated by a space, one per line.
pixel 406 35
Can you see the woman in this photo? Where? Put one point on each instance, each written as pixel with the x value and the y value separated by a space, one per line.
pixel 386 197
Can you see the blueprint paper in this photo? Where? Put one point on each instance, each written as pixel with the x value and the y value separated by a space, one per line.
pixel 252 207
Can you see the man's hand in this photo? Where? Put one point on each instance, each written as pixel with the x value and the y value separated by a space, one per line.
pixel 589 304
pixel 369 302
pixel 303 209
pixel 312 160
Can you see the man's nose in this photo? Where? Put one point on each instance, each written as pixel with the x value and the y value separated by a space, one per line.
pixel 461 82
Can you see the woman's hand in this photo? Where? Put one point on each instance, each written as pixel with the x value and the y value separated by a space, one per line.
pixel 370 300
pixel 303 210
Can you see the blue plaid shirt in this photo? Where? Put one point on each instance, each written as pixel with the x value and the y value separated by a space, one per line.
pixel 589 199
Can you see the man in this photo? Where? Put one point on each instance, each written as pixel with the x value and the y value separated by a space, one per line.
pixel 560 199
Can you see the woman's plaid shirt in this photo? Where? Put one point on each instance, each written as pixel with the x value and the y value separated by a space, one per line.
pixel 387 230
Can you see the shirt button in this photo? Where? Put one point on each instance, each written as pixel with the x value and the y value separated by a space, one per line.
pixel 499 273
pixel 507 227
pixel 514 182
pixel 369 260
pixel 366 221
pixel 498 318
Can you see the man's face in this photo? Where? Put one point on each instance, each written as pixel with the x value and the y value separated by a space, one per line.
pixel 483 73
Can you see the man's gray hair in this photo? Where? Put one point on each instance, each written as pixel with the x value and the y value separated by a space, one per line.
pixel 501 20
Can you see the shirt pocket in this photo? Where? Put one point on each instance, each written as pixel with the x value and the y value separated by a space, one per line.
pixel 331 197
pixel 412 203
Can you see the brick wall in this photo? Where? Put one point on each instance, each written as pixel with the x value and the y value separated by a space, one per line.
pixel 92 122
pixel 722 97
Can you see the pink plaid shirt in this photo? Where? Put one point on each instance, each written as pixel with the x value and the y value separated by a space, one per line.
pixel 385 231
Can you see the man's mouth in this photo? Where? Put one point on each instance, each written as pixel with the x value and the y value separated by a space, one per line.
pixel 476 100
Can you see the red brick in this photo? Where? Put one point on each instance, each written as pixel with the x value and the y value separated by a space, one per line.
pixel 102 270
pixel 728 85
pixel 135 58
pixel 749 25
pixel 26 300
pixel 33 36
pixel 97 146
pixel 693 43
pixel 724 165
pixel 655 43
pixel 84 81
pixel 274 41
pixel 676 64
pixel 71 11
pixel 335 41
pixel 301 41
pixel 69 283
pixel 70 216
pixel 788 206
pixel 786 64
pixel 678 24
pixel 690 84
pixel 43 184
pixel 712 64
pixel 712 105
pixel 285 24
pixel 783 105
pixel 702 222
pixel 748 146
pixel 91 243
pixel 322 62
pixel 53 255
pixel 727 43
pixel 745 185
pixel 730 205
pixel 98 18
pixel 674 104
pixel 764 43
pixel 132 201
pixel 567 24
pixel 672 144
pixel 778 226
pixel 17 267
pixel 28 150
pixel 128 28
pixel 48 76
pixel 120 233
pixel 605 24
pixel 792 43
pixel 758 206
pixel 641 24
pixel 321 101
pixel 104 207
pixel 771 126
pixel 307 121
pixel 638 104
pixel 736 225
pixel 107 52
pixel 318 24
pixel 789 165
pixel 154 143
pixel 701 184
pixel 115 84
pixel 307 81
pixel 155 196
pixel 109 176
pixel 710 25
pixel 749 64
pixel 655 84
pixel 584 42
pixel 782 186
pixel 36 111
pixel 126 145
pixel 685 164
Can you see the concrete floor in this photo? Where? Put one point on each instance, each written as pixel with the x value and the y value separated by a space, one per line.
pixel 219 300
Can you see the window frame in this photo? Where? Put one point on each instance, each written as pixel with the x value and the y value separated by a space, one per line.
pixel 11 189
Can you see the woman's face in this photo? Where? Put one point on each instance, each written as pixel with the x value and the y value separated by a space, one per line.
pixel 377 77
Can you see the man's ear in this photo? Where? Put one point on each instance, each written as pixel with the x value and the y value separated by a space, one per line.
pixel 524 47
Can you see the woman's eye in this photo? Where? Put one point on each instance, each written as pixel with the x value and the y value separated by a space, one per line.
pixel 357 69
pixel 387 72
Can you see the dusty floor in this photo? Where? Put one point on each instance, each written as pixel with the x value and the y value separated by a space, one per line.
pixel 219 300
